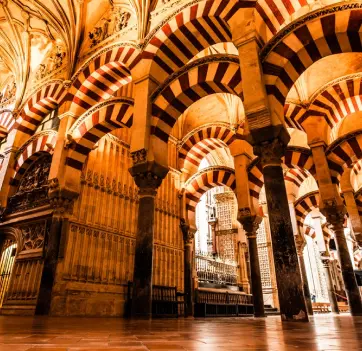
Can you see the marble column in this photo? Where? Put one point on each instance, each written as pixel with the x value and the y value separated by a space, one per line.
pixel 300 243
pixel 335 217
pixel 251 225
pixel 188 235
pixel 289 281
pixel 329 281
pixel 148 177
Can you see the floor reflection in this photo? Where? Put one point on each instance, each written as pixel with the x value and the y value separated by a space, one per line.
pixel 324 332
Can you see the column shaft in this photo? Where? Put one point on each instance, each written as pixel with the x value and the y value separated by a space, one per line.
pixel 353 294
pixel 188 280
pixel 256 284
pixel 143 267
pixel 49 269
pixel 308 300
pixel 290 291
pixel 330 287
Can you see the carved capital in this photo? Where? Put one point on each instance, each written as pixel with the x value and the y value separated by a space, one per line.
pixel 270 152
pixel 187 232
pixel 148 177
pixel 61 200
pixel 250 224
pixel 300 244
pixel 147 183
pixel 334 213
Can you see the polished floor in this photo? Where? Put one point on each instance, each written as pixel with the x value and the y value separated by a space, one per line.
pixel 324 332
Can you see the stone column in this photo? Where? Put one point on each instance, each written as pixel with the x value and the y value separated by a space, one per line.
pixel 354 216
pixel 300 243
pixel 328 274
pixel 188 235
pixel 148 177
pixel 289 281
pixel 335 217
pixel 251 225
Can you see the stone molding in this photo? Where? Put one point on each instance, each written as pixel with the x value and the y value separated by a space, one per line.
pixel 270 153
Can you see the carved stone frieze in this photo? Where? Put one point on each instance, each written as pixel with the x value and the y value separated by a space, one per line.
pixel 139 156
pixel 60 199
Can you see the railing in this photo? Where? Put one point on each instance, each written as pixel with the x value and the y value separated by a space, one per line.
pixel 222 304
pixel 166 301
pixel 215 269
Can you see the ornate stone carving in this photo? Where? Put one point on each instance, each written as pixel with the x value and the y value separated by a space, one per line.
pixel 334 213
pixel 61 200
pixel 33 235
pixel 33 187
pixel 187 232
pixel 121 20
pixel 139 156
pixel 148 183
pixel 270 152
pixel 250 224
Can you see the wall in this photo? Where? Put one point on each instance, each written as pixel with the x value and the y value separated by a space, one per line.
pixel 98 259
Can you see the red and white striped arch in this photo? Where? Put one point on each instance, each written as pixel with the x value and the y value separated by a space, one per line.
pixel 188 31
pixel 309 231
pixel 329 31
pixel 101 76
pixel 6 122
pixel 200 79
pixel 44 101
pixel 200 142
pixel 333 103
pixel 94 124
pixel 304 206
pixel 300 161
pixel 33 148
pixel 344 153
pixel 205 180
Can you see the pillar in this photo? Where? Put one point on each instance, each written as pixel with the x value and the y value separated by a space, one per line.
pixel 335 218
pixel 251 225
pixel 332 207
pixel 328 274
pixel 300 243
pixel 288 276
pixel 354 216
pixel 351 206
pixel 188 236
pixel 148 177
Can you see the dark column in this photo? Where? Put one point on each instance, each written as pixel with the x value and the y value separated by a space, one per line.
pixel 335 218
pixel 57 229
pixel 188 235
pixel 251 225
pixel 300 244
pixel 148 177
pixel 289 281
pixel 330 287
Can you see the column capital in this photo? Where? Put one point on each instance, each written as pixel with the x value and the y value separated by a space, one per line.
pixel 187 231
pixel 334 214
pixel 148 175
pixel 270 152
pixel 300 244
pixel 250 224
pixel 61 199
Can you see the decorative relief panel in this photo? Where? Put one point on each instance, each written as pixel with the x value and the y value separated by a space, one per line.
pixel 33 187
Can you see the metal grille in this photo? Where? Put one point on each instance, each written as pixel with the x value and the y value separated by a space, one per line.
pixel 263 256
pixel 6 265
